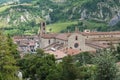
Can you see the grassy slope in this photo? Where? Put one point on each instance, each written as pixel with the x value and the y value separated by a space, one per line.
pixel 57 27
pixel 3 8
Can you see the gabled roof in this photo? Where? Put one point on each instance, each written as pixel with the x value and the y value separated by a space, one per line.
pixel 100 33
pixel 49 36
pixel 63 36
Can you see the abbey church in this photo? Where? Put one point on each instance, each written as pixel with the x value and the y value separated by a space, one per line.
pixel 62 44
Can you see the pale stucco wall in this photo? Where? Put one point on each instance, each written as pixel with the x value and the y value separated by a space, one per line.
pixel 81 41
pixel 45 42
pixel 72 40
pixel 88 48
pixel 61 41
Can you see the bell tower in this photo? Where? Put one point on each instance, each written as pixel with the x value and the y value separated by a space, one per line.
pixel 41 33
pixel 42 28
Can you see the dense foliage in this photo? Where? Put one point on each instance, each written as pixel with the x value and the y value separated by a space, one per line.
pixel 84 66
pixel 106 67
pixel 8 51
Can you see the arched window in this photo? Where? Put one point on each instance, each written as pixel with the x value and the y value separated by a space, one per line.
pixel 43 24
pixel 76 38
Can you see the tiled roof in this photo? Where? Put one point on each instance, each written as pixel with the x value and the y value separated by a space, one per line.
pixel 100 33
pixel 48 36
pixel 25 37
pixel 58 54
pixel 97 45
pixel 106 39
pixel 63 36
pixel 31 43
pixel 73 51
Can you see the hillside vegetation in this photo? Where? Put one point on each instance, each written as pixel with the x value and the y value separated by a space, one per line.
pixel 24 16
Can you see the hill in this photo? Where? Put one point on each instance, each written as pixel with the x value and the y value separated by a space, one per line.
pixel 24 16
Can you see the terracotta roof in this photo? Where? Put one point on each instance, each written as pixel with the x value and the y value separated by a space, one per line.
pixel 98 45
pixel 63 36
pixel 58 54
pixel 100 33
pixel 106 39
pixel 31 43
pixel 48 36
pixel 25 36
pixel 73 51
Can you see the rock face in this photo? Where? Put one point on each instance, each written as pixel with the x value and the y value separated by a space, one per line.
pixel 20 13
pixel 114 20
pixel 102 10
pixel 54 10
pixel 16 15
pixel 97 10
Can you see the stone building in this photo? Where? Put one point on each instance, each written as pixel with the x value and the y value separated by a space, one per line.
pixel 62 44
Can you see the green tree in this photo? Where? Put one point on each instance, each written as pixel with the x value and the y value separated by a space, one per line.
pixel 68 69
pixel 86 72
pixel 85 68
pixel 106 66
pixel 8 66
pixel 83 58
pixel 117 52
pixel 12 47
pixel 40 66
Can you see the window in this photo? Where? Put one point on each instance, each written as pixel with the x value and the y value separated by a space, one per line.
pixel 43 24
pixel 76 38
pixel 76 45
pixel 49 41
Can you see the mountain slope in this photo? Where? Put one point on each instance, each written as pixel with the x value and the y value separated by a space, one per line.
pixel 14 1
pixel 24 17
pixel 98 10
